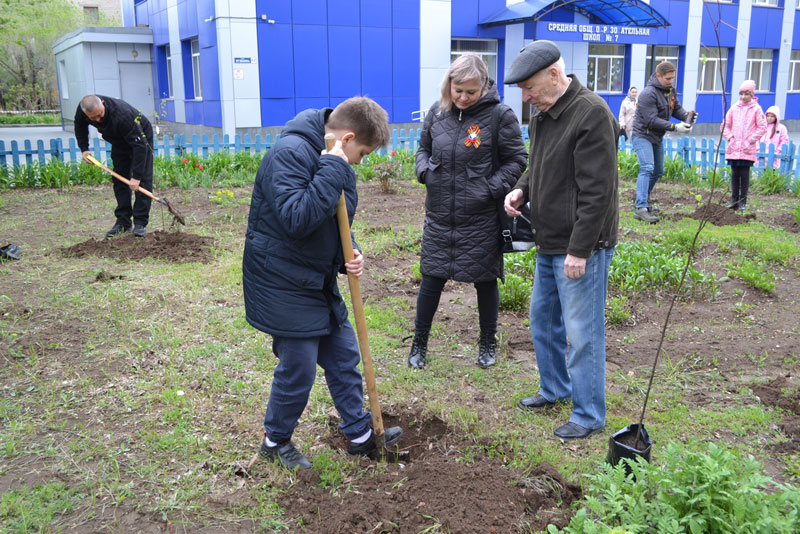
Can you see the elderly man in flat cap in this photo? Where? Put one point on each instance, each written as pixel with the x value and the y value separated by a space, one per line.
pixel 571 183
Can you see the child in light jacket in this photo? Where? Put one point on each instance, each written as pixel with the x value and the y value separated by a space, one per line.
pixel 776 134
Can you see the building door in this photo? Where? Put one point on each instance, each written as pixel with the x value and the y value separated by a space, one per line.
pixel 136 86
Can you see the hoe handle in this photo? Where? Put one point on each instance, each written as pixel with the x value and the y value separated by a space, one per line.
pixel 121 178
pixel 358 311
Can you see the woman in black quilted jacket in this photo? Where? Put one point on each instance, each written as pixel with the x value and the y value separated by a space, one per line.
pixel 456 162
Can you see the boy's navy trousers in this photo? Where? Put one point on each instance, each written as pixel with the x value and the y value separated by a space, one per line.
pixel 337 353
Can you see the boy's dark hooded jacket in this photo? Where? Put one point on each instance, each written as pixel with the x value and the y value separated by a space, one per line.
pixel 292 250
pixel 462 235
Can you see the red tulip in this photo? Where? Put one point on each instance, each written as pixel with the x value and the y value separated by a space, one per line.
pixel 186 160
pixel 199 166
pixel 394 153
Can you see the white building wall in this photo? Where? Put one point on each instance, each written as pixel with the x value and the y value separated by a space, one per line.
pixel 176 53
pixel 434 48
pixel 515 41
pixel 740 54
pixel 691 62
pixel 787 31
pixel 239 85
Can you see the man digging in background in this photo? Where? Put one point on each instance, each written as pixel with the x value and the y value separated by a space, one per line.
pixel 131 138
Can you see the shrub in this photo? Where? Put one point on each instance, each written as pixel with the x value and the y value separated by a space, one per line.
pixel 673 169
pixel 520 263
pixel 386 172
pixel 711 492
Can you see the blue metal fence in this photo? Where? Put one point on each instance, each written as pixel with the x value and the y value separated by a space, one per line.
pixel 695 151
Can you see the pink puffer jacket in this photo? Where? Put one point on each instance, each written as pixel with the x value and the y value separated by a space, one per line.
pixel 780 138
pixel 743 127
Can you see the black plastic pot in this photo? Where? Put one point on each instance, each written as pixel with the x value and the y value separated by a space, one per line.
pixel 618 448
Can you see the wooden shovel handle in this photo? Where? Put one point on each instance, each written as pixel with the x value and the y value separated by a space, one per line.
pixel 358 310
pixel 121 178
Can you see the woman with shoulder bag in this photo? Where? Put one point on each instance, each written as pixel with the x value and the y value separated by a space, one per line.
pixel 461 238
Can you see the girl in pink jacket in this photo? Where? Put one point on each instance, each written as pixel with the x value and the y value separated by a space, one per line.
pixel 776 135
pixel 743 128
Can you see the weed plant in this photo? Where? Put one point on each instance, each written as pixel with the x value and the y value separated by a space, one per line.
pixel 753 274
pixel 714 491
pixel 639 266
pixel 38 118
pixel 515 293
pixel 770 182
pixel 796 214
pixel 628 165
pixel 617 310
pixel 520 263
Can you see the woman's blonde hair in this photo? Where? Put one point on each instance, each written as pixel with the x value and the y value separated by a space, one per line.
pixel 464 69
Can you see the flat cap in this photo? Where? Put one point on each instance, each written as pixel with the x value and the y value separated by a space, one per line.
pixel 531 59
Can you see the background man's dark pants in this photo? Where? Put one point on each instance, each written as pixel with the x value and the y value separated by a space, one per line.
pixel 140 210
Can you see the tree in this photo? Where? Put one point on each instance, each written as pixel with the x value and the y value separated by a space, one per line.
pixel 27 33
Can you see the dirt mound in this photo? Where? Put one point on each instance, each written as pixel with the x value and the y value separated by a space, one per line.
pixel 772 394
pixel 720 215
pixel 788 222
pixel 176 247
pixel 432 485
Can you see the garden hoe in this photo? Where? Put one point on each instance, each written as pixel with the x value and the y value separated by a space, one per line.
pixel 361 323
pixel 175 213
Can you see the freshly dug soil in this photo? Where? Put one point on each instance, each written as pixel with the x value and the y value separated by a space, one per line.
pixel 720 215
pixel 176 247
pixel 772 394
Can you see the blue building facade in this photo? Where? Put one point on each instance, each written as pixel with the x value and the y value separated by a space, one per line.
pixel 256 63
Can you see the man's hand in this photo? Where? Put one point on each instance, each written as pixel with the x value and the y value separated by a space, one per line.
pixel 85 155
pixel 692 117
pixel 683 128
pixel 356 265
pixel 512 201
pixel 337 151
pixel 574 267
pixel 135 184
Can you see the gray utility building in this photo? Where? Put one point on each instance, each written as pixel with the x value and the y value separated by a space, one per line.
pixel 115 62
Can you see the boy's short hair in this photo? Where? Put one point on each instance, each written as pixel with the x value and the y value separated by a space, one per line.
pixel 365 118
pixel 664 68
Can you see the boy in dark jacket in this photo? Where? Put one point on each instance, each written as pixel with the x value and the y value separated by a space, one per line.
pixel 292 256
pixel 131 138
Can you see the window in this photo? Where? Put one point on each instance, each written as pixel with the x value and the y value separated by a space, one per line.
pixel 62 78
pixel 198 88
pixel 662 53
pixel 168 54
pixel 712 70
pixel 606 68
pixel 759 67
pixel 765 3
pixel 794 71
pixel 486 49
pixel 91 14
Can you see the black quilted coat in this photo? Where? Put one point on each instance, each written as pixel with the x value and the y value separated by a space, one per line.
pixel 461 237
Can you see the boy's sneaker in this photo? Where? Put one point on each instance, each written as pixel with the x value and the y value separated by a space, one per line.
pixel 139 230
pixel 391 436
pixel 285 454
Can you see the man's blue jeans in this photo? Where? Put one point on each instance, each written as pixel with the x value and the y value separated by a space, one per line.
pixel 563 309
pixel 337 353
pixel 651 168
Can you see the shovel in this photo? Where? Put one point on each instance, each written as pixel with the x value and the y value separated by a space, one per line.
pixel 358 311
pixel 175 213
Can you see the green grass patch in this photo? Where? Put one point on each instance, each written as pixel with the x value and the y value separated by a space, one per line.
pixel 33 509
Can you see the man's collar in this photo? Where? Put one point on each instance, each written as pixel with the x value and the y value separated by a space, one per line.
pixel 562 103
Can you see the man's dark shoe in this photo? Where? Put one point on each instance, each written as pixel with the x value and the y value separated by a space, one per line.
pixel 486 350
pixel 285 454
pixel 419 349
pixel 643 214
pixel 572 431
pixel 535 402
pixel 139 230
pixel 391 436
pixel 117 229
